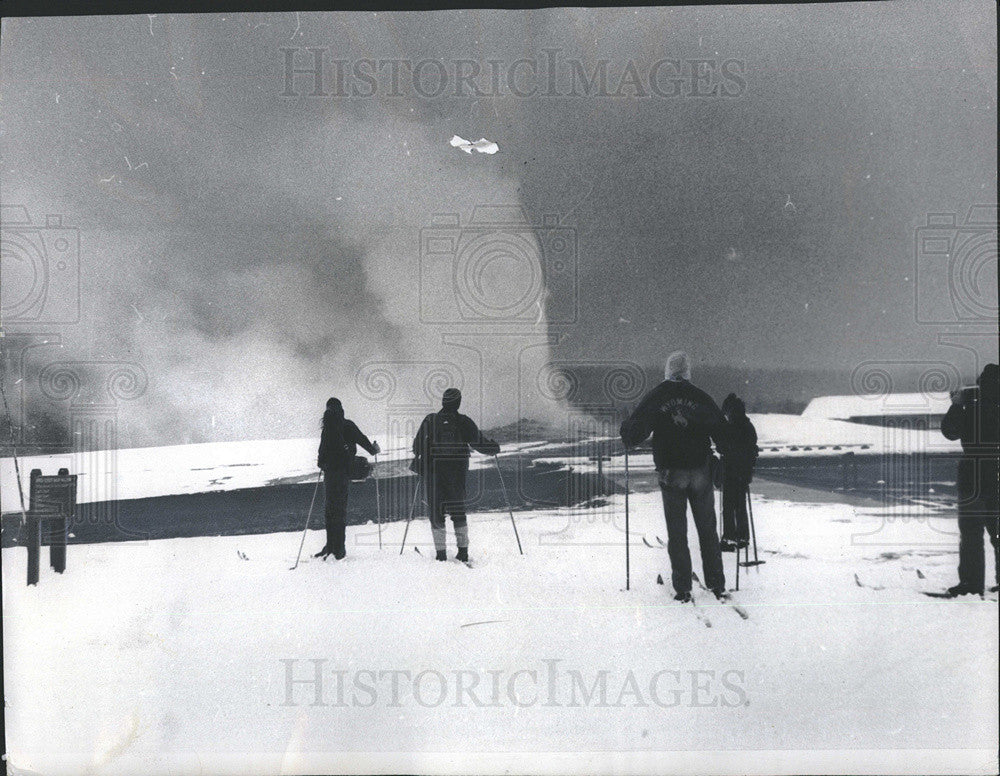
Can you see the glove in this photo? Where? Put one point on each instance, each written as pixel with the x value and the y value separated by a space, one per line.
pixel 376 448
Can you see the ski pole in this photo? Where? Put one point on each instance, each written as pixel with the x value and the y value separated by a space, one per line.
pixel 738 564
pixel 413 504
pixel 718 509
pixel 378 503
pixel 13 451
pixel 510 511
pixel 753 532
pixel 308 518
pixel 627 570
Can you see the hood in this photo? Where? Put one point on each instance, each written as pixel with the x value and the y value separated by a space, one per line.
pixel 734 407
pixel 451 400
pixel 989 382
pixel 334 410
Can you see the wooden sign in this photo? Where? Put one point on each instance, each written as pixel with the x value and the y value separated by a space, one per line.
pixel 52 505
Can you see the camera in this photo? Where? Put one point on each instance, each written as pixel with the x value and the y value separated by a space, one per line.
pixel 39 269
pixel 498 267
pixel 956 267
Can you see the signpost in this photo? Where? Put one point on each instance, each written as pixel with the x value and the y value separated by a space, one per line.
pixel 52 505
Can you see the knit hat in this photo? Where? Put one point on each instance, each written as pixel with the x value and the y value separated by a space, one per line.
pixel 989 380
pixel 678 366
pixel 733 405
pixel 333 403
pixel 451 399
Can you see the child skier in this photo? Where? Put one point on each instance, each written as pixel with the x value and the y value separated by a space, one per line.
pixel 739 456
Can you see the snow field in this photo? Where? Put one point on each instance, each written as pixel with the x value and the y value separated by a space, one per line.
pixel 177 654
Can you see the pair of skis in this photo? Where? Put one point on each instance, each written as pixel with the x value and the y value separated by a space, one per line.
pixel 940 594
pixel 944 594
pixel 312 503
pixel 725 599
pixel 464 562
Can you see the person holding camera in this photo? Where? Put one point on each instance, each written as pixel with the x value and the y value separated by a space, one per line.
pixel 739 456
pixel 683 420
pixel 973 418
pixel 338 445
pixel 441 456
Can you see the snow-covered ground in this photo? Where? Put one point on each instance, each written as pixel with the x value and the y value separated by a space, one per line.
pixel 878 404
pixel 175 656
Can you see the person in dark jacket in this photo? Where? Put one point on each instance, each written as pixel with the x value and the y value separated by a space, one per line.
pixel 973 418
pixel 441 450
pixel 739 456
pixel 683 420
pixel 338 445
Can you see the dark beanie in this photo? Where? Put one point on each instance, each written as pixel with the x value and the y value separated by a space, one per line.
pixel 989 380
pixel 733 405
pixel 333 403
pixel 452 399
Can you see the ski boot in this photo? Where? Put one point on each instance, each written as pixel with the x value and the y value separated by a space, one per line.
pixel 441 555
pixel 463 554
pixel 957 590
pixel 684 598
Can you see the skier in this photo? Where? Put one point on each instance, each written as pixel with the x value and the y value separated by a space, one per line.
pixel 337 447
pixel 441 450
pixel 973 418
pixel 739 456
pixel 683 420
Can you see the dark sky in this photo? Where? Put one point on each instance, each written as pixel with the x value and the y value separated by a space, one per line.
pixel 232 236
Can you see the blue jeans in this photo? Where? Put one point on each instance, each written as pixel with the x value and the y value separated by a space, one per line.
pixel 680 487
